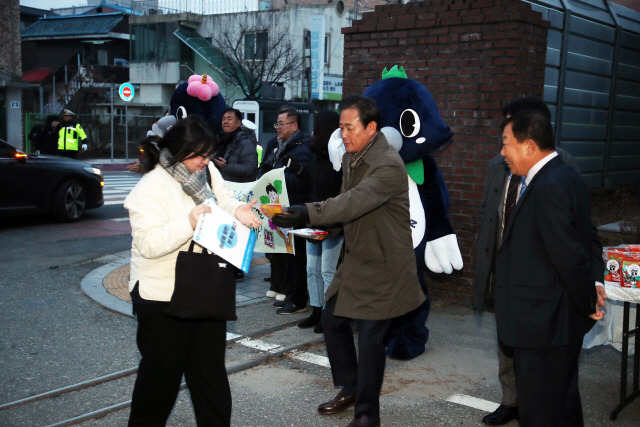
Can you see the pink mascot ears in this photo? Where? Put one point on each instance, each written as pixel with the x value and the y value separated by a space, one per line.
pixel 202 87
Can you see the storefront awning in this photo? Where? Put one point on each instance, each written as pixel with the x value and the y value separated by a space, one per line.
pixel 37 75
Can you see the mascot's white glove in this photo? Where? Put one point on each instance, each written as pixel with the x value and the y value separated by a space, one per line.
pixel 443 255
pixel 336 150
pixel 84 147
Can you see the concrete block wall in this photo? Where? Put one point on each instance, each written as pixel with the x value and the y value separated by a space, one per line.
pixel 473 56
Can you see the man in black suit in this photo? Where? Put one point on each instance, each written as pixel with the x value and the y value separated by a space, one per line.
pixel 494 198
pixel 545 299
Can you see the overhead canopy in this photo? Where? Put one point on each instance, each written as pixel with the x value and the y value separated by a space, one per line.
pixel 208 52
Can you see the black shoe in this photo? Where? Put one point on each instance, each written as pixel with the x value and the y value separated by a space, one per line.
pixel 291 309
pixel 312 320
pixel 318 329
pixel 279 303
pixel 501 416
pixel 364 421
pixel 338 404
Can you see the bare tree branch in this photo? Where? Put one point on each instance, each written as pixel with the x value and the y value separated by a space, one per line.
pixel 276 61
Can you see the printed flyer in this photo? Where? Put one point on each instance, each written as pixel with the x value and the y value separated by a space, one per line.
pixel 269 189
pixel 225 236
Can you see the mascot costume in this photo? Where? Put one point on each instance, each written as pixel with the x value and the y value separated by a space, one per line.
pixel 412 124
pixel 199 96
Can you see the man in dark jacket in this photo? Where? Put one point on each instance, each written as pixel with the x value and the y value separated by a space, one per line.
pixel 44 138
pixel 290 149
pixel 236 156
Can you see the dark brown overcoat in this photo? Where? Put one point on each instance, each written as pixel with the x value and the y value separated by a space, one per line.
pixel 377 278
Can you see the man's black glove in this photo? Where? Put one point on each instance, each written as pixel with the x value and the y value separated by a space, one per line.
pixel 294 216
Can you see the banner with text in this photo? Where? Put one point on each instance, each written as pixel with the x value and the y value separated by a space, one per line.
pixel 317 56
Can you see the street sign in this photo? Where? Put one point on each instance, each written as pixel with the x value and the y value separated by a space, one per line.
pixel 126 92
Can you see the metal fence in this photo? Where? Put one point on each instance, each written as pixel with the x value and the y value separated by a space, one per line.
pixel 592 86
pixel 106 141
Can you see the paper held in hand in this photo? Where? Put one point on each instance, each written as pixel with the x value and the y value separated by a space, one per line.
pixel 225 236
pixel 310 233
pixel 270 209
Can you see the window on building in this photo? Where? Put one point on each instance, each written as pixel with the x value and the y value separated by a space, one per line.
pixel 255 45
pixel 154 42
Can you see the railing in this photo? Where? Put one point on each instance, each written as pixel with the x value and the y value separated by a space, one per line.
pixel 200 7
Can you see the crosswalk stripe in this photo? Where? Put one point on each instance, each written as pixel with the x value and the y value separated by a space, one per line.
pixel 116 188
pixel 473 402
pixel 316 359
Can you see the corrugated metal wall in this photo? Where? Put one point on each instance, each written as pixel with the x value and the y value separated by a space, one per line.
pixel 592 86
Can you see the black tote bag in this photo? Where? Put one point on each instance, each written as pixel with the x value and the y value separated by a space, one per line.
pixel 205 287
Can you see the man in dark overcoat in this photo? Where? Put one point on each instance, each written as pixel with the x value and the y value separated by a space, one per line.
pixel 377 278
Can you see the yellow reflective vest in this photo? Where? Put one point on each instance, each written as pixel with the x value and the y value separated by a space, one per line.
pixel 69 136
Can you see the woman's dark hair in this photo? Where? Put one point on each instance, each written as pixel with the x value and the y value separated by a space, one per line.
pixel 149 153
pixel 324 123
pixel 187 139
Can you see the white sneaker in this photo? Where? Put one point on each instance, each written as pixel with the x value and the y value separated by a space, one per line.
pixel 271 294
pixel 280 297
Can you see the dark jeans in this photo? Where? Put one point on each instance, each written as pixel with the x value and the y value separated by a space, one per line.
pixel 169 349
pixel 277 273
pixel 295 274
pixel 364 374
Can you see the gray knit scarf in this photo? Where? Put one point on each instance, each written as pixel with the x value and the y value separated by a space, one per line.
pixel 193 184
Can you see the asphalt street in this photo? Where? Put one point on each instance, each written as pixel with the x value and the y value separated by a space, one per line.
pixel 53 335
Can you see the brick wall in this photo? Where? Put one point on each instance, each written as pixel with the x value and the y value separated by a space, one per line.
pixel 473 56
pixel 10 59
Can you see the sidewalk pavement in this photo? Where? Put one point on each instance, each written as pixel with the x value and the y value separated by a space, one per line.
pixel 109 285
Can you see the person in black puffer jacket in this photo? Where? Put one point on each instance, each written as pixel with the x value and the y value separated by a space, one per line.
pixel 236 157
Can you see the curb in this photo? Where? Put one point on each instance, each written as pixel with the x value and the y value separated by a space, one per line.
pixel 92 286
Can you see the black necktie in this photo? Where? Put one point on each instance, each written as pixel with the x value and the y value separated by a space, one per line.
pixel 512 198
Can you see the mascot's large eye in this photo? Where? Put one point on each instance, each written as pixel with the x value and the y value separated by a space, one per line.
pixel 181 113
pixel 409 123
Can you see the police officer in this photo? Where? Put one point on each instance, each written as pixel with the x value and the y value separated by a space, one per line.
pixel 69 135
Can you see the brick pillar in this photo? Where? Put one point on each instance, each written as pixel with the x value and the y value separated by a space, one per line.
pixel 10 58
pixel 474 56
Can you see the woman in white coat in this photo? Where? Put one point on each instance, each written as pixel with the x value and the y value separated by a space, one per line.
pixel 164 208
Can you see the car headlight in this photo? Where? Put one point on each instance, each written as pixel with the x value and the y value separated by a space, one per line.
pixel 94 171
